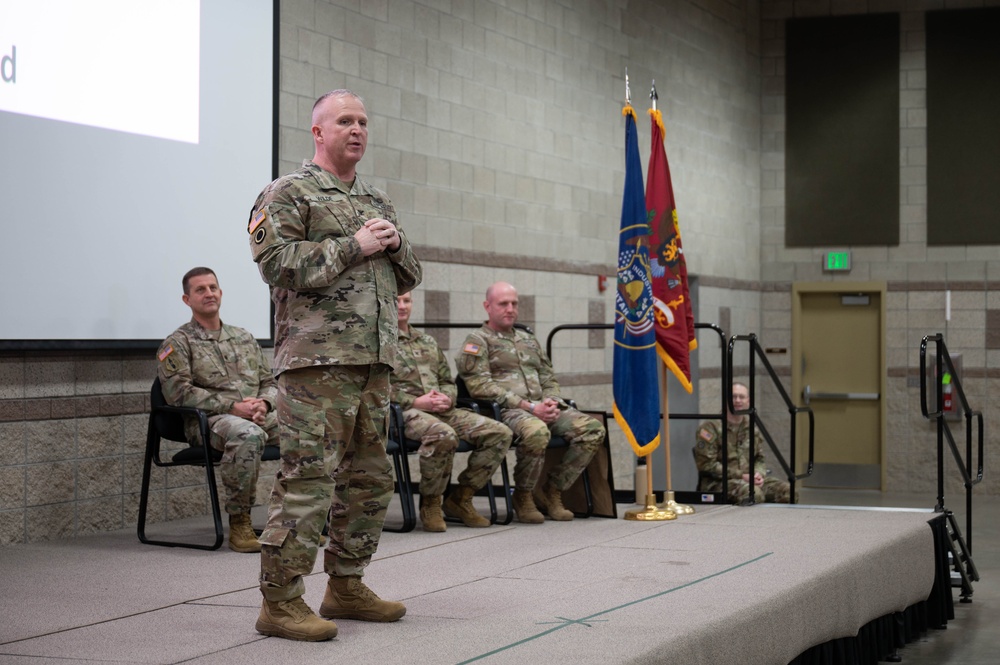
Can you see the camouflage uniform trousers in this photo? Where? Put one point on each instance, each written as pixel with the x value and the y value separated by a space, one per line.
pixel 583 433
pixel 241 443
pixel 439 434
pixel 772 491
pixel 333 422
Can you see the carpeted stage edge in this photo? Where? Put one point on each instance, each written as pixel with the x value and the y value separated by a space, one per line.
pixel 884 635
pixel 762 585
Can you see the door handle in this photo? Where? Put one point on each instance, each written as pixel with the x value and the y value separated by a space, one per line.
pixel 808 395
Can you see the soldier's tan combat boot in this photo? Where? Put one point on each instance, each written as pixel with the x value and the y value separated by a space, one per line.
pixel 350 598
pixel 241 535
pixel 430 513
pixel 552 505
pixel 293 620
pixel 524 508
pixel 459 505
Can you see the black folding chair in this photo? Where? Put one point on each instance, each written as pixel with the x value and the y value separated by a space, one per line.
pixel 412 446
pixel 167 422
pixel 492 409
pixel 404 485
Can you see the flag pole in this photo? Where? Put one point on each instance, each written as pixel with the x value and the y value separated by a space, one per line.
pixel 668 495
pixel 650 512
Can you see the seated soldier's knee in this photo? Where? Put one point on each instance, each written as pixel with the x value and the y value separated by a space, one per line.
pixel 438 446
pixel 255 434
pixel 449 441
pixel 535 441
pixel 500 430
pixel 438 439
pixel 593 433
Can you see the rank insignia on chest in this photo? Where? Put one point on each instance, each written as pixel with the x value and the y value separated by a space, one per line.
pixel 471 348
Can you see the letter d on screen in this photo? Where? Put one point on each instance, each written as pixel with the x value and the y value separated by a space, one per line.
pixel 9 64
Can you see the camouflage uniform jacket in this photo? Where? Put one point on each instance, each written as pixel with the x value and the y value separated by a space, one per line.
pixel 708 450
pixel 506 367
pixel 420 368
pixel 333 305
pixel 200 371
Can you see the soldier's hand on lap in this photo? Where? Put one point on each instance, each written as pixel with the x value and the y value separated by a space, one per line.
pixel 547 410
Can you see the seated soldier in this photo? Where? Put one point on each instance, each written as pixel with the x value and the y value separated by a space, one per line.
pixel 421 384
pixel 507 365
pixel 222 370
pixel 708 457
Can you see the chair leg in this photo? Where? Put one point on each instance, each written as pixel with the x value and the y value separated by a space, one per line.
pixel 508 504
pixel 213 496
pixel 587 494
pixel 216 513
pixel 492 496
pixel 405 491
pixel 147 464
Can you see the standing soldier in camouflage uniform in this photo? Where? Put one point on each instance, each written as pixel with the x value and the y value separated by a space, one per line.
pixel 708 457
pixel 329 245
pixel 221 369
pixel 507 365
pixel 422 386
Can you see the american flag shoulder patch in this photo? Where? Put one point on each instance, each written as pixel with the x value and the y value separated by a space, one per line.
pixel 167 350
pixel 256 220
pixel 471 348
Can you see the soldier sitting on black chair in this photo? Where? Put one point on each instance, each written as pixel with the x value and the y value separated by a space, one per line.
pixel 504 364
pixel 422 385
pixel 221 369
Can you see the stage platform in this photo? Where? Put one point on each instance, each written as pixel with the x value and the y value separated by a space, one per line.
pixel 757 585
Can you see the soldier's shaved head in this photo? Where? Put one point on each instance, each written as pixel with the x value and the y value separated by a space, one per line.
pixel 498 285
pixel 501 306
pixel 319 106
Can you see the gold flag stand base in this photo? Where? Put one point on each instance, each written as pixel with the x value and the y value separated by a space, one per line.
pixel 651 513
pixel 673 506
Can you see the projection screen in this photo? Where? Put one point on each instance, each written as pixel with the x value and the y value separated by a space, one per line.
pixel 136 136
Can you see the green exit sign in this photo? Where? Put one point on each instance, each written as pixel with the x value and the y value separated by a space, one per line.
pixel 837 261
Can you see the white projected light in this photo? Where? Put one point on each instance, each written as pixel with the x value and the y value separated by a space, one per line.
pixel 136 135
pixel 127 65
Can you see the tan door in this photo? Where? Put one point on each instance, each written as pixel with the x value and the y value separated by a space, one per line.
pixel 838 352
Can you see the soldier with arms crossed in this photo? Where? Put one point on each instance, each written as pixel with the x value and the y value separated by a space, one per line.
pixel 329 245
pixel 221 369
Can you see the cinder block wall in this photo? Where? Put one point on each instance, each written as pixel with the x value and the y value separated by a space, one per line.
pixel 917 277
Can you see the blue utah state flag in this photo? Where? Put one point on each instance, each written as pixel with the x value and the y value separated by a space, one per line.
pixel 636 387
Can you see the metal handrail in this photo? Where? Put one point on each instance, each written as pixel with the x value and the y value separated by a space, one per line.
pixel 757 352
pixel 944 430
pixel 677 416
